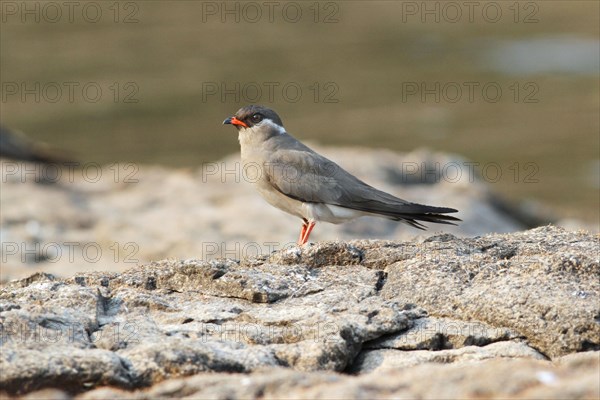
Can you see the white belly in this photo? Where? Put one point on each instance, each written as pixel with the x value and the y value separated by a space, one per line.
pixel 329 213
pixel 310 211
pixel 279 200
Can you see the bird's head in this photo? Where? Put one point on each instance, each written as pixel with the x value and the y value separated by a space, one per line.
pixel 256 120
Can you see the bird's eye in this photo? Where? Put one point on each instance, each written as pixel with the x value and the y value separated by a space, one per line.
pixel 256 118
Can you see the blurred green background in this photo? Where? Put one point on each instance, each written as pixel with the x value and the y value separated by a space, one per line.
pixel 164 68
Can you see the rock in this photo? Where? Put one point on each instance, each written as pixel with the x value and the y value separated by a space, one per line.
pixel 497 378
pixel 69 368
pixel 376 361
pixel 179 318
pixel 47 394
pixel 540 283
pixel 442 333
pixel 482 315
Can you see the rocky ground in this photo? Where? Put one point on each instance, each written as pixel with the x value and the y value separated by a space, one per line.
pixel 370 309
pixel 513 315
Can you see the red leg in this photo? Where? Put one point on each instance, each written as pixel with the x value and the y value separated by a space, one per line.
pixel 302 231
pixel 306 230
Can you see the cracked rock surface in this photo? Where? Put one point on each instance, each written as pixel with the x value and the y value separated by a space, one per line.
pixel 511 315
pixel 573 377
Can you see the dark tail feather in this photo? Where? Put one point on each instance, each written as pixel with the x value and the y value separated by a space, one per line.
pixel 412 219
pixel 412 213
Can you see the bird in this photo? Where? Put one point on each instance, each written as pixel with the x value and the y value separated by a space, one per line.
pixel 297 180
pixel 17 146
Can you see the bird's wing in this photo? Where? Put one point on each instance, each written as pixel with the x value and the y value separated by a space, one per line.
pixel 305 176
pixel 302 174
